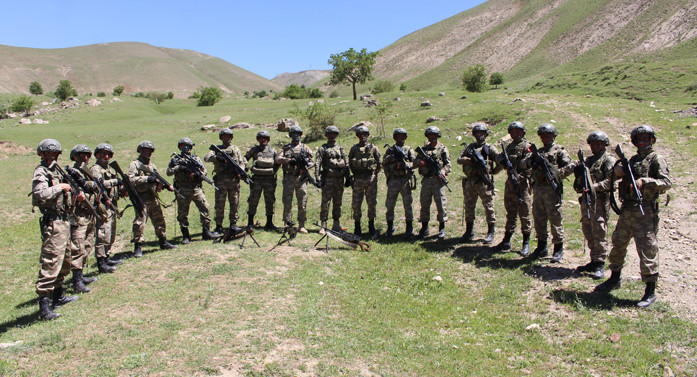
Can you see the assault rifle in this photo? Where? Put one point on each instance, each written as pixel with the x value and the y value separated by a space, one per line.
pixel 348 239
pixel 480 164
pixel 587 187
pixel 512 174
pixel 104 197
pixel 162 181
pixel 193 166
pixel 76 188
pixel 401 159
pixel 434 167
pixel 549 177
pixel 628 174
pixel 132 193
pixel 300 160
pixel 232 163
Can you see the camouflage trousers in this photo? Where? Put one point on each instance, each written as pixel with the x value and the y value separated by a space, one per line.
pixel 595 228
pixel 644 229
pixel 228 191
pixel 294 185
pixel 472 192
pixel 55 254
pixel 546 208
pixel 197 195
pixel 267 185
pixel 332 191
pixel 515 210
pixel 154 212
pixel 364 187
pixel 105 235
pixel 433 189
pixel 395 187
pixel 81 240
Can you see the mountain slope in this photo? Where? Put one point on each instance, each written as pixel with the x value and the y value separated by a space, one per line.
pixel 306 78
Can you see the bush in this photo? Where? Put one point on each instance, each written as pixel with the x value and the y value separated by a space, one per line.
pixel 101 94
pixel 319 116
pixel 3 111
pixel 496 79
pixel 474 78
pixel 209 96
pixel 246 93
pixel 315 93
pixel 382 86
pixel 64 90
pixel 118 90
pixel 23 104
pixel 293 91
pixel 260 94
pixel 139 95
pixel 35 88
pixel 334 94
pixel 170 95
pixel 157 97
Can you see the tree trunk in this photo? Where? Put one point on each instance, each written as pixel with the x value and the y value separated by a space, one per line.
pixel 354 90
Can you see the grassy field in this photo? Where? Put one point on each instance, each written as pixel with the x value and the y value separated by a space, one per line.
pixel 404 309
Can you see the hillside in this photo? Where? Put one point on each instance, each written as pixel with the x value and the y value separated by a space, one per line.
pixel 137 66
pixel 526 38
pixel 306 78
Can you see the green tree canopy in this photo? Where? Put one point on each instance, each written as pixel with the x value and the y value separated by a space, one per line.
pixel 64 90
pixel 209 96
pixel 22 104
pixel 118 90
pixel 35 88
pixel 474 78
pixel 352 67
pixel 496 79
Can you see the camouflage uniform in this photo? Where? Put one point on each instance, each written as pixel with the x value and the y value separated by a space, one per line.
pixel 473 185
pixel 263 169
pixel 228 183
pixel 293 182
pixel 82 228
pixel 330 168
pixel 518 153
pixel 398 182
pixel 192 190
pixel 138 175
pixel 431 187
pixel 365 163
pixel 106 224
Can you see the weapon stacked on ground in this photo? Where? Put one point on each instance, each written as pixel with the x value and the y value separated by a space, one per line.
pixel 231 163
pixel 289 232
pixel 74 186
pixel 628 173
pixel 193 166
pixel 235 232
pixel 300 160
pixel 549 177
pixel 132 193
pixel 348 239
pixel 401 158
pixel 586 182
pixel 512 174
pixel 480 164
pixel 434 167
pixel 104 197
pixel 162 181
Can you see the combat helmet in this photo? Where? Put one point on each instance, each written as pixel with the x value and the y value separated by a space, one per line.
pixel 263 133
pixel 362 130
pixel 185 141
pixel 432 130
pixel 49 145
pixel 643 129
pixel 225 131
pixel 80 148
pixel 480 127
pixel 104 147
pixel 331 129
pixel 547 128
pixel 598 136
pixel 399 131
pixel 145 144
pixel 516 125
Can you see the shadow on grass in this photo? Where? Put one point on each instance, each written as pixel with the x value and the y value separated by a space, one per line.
pixel 434 245
pixel 590 300
pixel 22 321
pixel 485 256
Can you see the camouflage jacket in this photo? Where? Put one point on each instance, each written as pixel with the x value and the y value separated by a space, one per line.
pixel 519 154
pixel 331 161
pixel 390 164
pixel 46 192
pixel 364 160
pixel 109 178
pixel 600 167
pixel 182 175
pixel 138 173
pixel 652 170
pixel 440 154
pixel 289 153
pixel 490 155
pixel 220 168
pixel 558 161
pixel 263 160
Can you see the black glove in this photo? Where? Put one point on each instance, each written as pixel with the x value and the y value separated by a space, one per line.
pixel 152 179
pixel 220 158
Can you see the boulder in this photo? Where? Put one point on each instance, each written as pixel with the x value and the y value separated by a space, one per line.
pixel 208 127
pixel 93 102
pixel 240 125
pixel 224 119
pixel 361 123
pixel 116 99
pixel 25 121
pixel 433 119
pixel 396 99
pixel 441 94
pixel 365 96
pixel 372 102
pixel 285 124
pixel 426 103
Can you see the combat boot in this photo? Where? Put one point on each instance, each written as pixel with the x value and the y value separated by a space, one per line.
pixel 357 227
pixel 269 223
pixel 588 267
pixel 598 270
pixel 301 228
pixel 164 245
pixel 525 250
pixel 104 267
pixel 137 250
pixel 390 229
pixel 206 233
pixel 186 237
pixel 78 284
pixel 337 225
pixel 87 280
pixel 409 232
pixel 540 251
pixel 59 299
pixel 505 243
pixel 614 282
pixel 423 233
pixel 219 228
pixel 45 311
pixel 322 228
pixel 558 252
pixel 441 230
pixel 113 262
pixel 649 295
pixel 490 234
pixel 469 233
pixel 371 229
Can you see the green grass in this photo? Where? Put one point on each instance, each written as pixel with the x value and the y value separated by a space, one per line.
pixel 403 309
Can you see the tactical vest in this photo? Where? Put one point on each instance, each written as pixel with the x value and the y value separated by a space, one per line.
pixel 391 170
pixel 333 160
pixel 551 156
pixel 264 163
pixel 436 153
pixel 641 167
pixel 57 205
pixel 362 159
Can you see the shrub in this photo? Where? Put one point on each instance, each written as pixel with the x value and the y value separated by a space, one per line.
pixel 246 93
pixel 64 90
pixel 403 87
pixel 22 104
pixel 101 94
pixel 496 79
pixel 260 94
pixel 474 78
pixel 35 88
pixel 157 97
pixel 319 116
pixel 293 91
pixel 209 96
pixel 170 95
pixel 334 94
pixel 382 86
pixel 315 93
pixel 118 90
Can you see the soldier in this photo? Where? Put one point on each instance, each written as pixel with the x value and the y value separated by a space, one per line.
pixel 594 217
pixel 517 200
pixel 53 197
pixel 225 178
pixel 652 177
pixel 432 186
pixel 82 224
pixel 400 180
pixel 190 186
pixel 263 171
pixel 364 161
pixel 474 185
pixel 106 224
pixel 294 179
pixel 546 202
pixel 330 169
pixel 140 174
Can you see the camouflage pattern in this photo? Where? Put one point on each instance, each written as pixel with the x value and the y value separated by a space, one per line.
pixel 105 233
pixel 263 169
pixel 398 182
pixel 473 186
pixel 652 170
pixel 54 204
pixel 192 190
pixel 431 187
pixel 82 227
pixel 518 153
pixel 595 229
pixel 330 168
pixel 365 164
pixel 228 184
pixel 292 181
pixel 138 176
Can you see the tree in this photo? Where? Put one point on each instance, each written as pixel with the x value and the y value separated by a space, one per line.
pixel 64 90
pixel 474 78
pixel 383 109
pixel 209 96
pixel 157 97
pixel 319 116
pixel 118 90
pixel 352 67
pixel 496 79
pixel 22 104
pixel 35 88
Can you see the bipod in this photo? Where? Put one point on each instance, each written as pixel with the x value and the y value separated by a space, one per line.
pixel 348 239
pixel 289 232
pixel 249 231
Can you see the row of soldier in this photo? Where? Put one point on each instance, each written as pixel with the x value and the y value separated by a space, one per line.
pixel 79 205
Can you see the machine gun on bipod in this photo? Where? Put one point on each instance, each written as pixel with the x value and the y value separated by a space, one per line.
pixel 345 238
pixel 235 232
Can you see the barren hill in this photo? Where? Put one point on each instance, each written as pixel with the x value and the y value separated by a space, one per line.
pixel 306 78
pixel 137 66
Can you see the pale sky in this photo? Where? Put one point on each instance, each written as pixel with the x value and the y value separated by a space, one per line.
pixel 264 37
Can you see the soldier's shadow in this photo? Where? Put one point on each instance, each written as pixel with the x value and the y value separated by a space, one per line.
pixel 590 300
pixel 434 245
pixel 550 272
pixel 485 256
pixel 23 321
